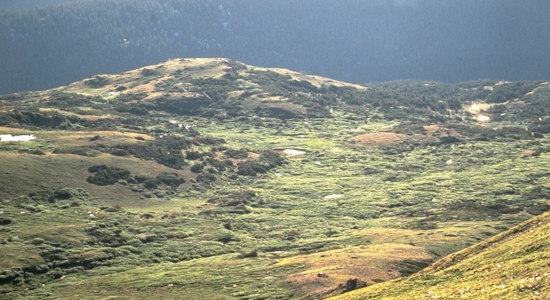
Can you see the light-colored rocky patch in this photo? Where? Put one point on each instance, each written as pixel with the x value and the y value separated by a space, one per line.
pixel 16 138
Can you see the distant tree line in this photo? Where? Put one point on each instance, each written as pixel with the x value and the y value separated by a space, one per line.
pixel 22 4
pixel 355 40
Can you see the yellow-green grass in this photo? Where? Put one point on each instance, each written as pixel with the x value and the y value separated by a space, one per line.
pixel 512 265
pixel 136 82
pixel 50 139
pixel 22 173
pixel 317 81
pixel 372 263
pixel 25 173
pixel 19 256
pixel 81 116
pixel 224 277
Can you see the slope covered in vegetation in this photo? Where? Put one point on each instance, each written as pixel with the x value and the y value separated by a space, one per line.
pixel 511 265
pixel 214 179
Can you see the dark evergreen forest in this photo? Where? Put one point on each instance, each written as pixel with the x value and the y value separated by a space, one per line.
pixel 353 40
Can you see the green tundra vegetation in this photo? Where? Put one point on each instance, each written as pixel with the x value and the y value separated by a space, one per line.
pixel 212 179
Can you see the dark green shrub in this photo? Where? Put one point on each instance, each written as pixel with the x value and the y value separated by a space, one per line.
pixel 237 154
pixel 105 175
pixel 510 91
pixel 410 266
pixel 119 152
pixel 449 139
pixel 206 178
pixel 271 159
pixel 141 178
pixel 82 151
pixel 165 151
pixel 133 109
pixel 42 196
pixel 151 183
pixel 250 254
pixel 197 168
pixel 97 81
pixel 170 179
pixel 206 140
pixel 148 72
pixel 14 275
pixel 5 221
pixel 68 193
pixel 220 165
pixel 33 151
pixel 250 168
pixel 193 155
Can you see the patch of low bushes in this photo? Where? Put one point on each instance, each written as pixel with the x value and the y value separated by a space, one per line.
pixel 170 179
pixel 266 161
pixel 46 119
pixel 82 151
pixel 236 153
pixel 105 175
pixel 57 194
pixel 97 81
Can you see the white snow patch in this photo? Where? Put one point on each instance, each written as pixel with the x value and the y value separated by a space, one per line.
pixel 483 118
pixel 17 138
pixel 293 152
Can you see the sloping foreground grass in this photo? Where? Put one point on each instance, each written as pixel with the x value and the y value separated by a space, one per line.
pixel 512 265
pixel 224 277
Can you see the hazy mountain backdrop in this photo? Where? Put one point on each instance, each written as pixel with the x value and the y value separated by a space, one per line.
pixel 356 40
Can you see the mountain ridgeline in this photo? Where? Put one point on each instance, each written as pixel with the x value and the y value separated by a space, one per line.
pixel 356 41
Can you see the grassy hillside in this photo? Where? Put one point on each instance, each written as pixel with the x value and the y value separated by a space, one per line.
pixel 511 265
pixel 214 179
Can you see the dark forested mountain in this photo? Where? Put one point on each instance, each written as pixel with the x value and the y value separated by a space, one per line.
pixel 23 4
pixel 354 40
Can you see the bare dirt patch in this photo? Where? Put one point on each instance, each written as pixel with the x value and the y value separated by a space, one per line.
pixel 121 137
pixel 86 117
pixel 431 134
pixel 10 129
pixel 379 138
